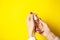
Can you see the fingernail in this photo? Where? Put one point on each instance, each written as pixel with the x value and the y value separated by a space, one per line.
pixel 31 13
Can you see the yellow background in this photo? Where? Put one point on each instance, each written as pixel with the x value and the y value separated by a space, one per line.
pixel 13 14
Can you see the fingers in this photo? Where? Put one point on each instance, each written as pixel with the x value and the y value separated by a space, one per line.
pixel 40 27
pixel 30 23
pixel 44 26
pixel 37 30
pixel 38 24
pixel 31 17
pixel 42 22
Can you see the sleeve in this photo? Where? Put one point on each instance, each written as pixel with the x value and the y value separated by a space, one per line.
pixel 57 38
pixel 32 38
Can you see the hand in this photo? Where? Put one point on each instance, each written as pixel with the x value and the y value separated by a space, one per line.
pixel 45 31
pixel 38 26
pixel 43 27
pixel 30 23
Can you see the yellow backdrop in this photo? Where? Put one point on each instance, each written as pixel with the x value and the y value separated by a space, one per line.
pixel 13 14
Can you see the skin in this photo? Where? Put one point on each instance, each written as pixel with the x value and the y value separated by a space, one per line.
pixel 30 23
pixel 46 31
pixel 41 28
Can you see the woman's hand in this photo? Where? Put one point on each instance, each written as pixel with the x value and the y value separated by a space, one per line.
pixel 38 26
pixel 30 23
pixel 45 31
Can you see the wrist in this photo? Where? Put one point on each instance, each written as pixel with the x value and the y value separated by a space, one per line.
pixel 31 38
pixel 31 35
pixel 50 36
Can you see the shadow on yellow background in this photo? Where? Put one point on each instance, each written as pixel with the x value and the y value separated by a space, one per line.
pixel 13 16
